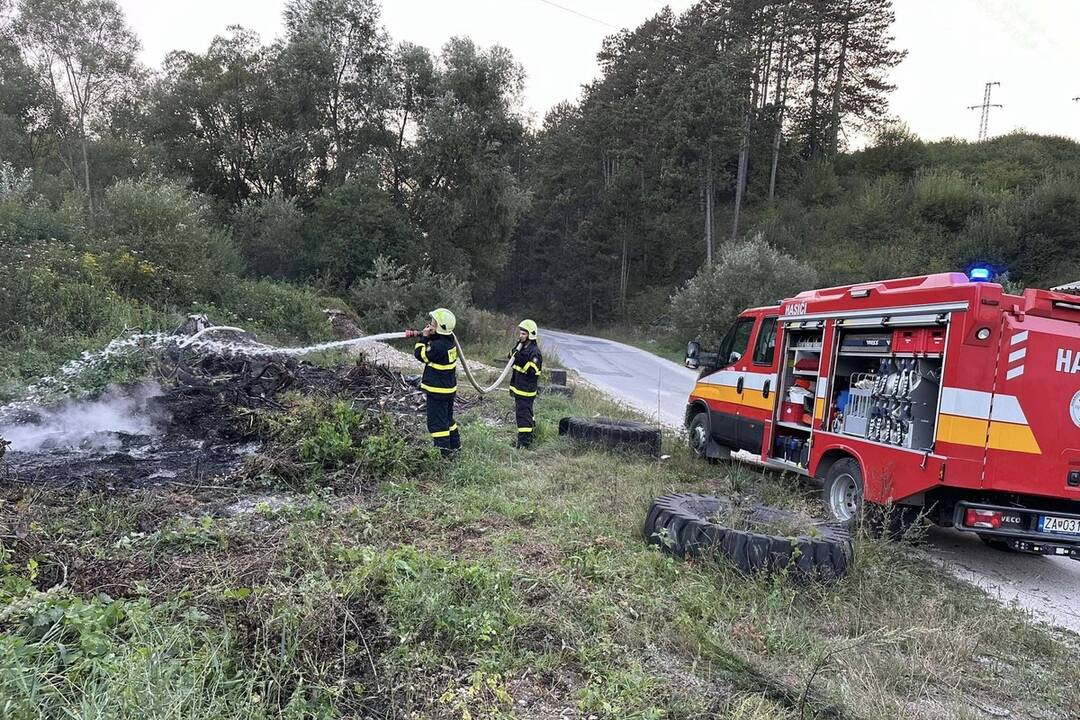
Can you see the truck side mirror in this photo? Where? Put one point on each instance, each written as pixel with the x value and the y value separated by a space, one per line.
pixel 693 353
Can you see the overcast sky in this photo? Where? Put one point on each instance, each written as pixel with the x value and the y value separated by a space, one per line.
pixel 1032 47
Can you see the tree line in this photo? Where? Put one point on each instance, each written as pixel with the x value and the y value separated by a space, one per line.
pixel 332 146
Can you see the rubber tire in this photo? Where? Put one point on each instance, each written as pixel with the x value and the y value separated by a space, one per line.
pixel 698 451
pixel 892 522
pixel 681 525
pixel 836 474
pixel 612 433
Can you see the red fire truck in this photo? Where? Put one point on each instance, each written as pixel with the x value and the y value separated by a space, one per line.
pixel 937 394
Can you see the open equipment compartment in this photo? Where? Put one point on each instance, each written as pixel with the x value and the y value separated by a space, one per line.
pixel 886 384
pixel 800 369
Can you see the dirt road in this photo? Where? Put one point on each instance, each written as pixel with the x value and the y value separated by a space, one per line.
pixel 1047 587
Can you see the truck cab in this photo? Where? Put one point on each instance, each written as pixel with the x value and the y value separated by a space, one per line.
pixel 736 388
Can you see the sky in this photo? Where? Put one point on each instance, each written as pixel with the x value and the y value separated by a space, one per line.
pixel 1031 47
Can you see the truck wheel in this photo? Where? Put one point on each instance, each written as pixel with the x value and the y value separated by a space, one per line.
pixel 698 437
pixel 842 492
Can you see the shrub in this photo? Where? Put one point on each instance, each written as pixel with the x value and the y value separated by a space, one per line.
pixel 352 226
pixel 394 296
pixel 745 274
pixel 159 245
pixel 269 233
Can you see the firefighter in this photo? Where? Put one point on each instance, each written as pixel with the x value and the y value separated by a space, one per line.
pixel 438 351
pixel 527 365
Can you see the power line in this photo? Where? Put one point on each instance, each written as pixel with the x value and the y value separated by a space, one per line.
pixel 581 15
pixel 984 118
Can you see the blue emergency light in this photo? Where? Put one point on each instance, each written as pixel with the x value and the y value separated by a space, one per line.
pixel 979 274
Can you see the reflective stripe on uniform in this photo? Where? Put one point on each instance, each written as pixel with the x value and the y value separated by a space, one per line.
pixel 522 393
pixel 521 430
pixel 437 366
pixel 423 351
pixel 432 389
pixel 444 433
pixel 524 369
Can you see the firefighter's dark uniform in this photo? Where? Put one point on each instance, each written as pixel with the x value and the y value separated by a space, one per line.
pixel 439 383
pixel 523 383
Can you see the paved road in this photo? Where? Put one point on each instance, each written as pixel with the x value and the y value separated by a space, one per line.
pixel 637 378
pixel 1047 587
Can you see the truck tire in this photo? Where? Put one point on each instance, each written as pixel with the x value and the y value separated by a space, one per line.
pixel 698 436
pixel 682 525
pixel 612 433
pixel 842 491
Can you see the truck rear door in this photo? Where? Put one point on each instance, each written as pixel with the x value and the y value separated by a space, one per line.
pixel 1033 440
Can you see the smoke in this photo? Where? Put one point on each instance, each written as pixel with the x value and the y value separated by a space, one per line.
pixel 98 424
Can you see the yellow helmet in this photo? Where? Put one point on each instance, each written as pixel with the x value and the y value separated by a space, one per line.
pixel 444 321
pixel 528 326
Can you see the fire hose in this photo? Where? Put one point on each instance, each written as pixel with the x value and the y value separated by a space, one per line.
pixel 253 347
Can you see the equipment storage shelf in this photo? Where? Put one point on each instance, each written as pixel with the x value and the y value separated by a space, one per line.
pixel 794 426
pixel 795 409
pixel 885 396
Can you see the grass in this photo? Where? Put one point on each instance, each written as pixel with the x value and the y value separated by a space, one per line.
pixel 505 584
pixel 657 340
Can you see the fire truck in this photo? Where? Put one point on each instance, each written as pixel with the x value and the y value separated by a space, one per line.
pixel 937 396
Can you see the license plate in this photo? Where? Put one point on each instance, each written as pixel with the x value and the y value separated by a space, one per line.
pixel 1066 526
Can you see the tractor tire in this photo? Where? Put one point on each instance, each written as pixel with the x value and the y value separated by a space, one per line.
pixel 615 434
pixel 682 525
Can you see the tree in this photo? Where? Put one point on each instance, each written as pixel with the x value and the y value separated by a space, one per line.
pixel 351 226
pixel 463 192
pixel 212 119
pixel 86 52
pixel 335 68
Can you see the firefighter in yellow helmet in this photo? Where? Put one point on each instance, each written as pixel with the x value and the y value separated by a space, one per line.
pixel 523 383
pixel 438 351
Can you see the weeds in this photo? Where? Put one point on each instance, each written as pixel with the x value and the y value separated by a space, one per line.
pixel 506 584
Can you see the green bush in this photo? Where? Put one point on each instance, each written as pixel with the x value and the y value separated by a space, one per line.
pixel 159 245
pixel 270 235
pixel 394 296
pixel 745 274
pixel 352 226
pixel 287 312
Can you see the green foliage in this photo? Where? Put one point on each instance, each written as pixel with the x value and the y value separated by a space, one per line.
pixel 151 255
pixel 342 442
pixel 434 605
pixel 352 226
pixel 745 274
pixel 269 233
pixel 99 657
pixel 395 295
pixel 159 245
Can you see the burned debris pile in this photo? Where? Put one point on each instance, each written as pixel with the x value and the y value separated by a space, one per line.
pixel 195 421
